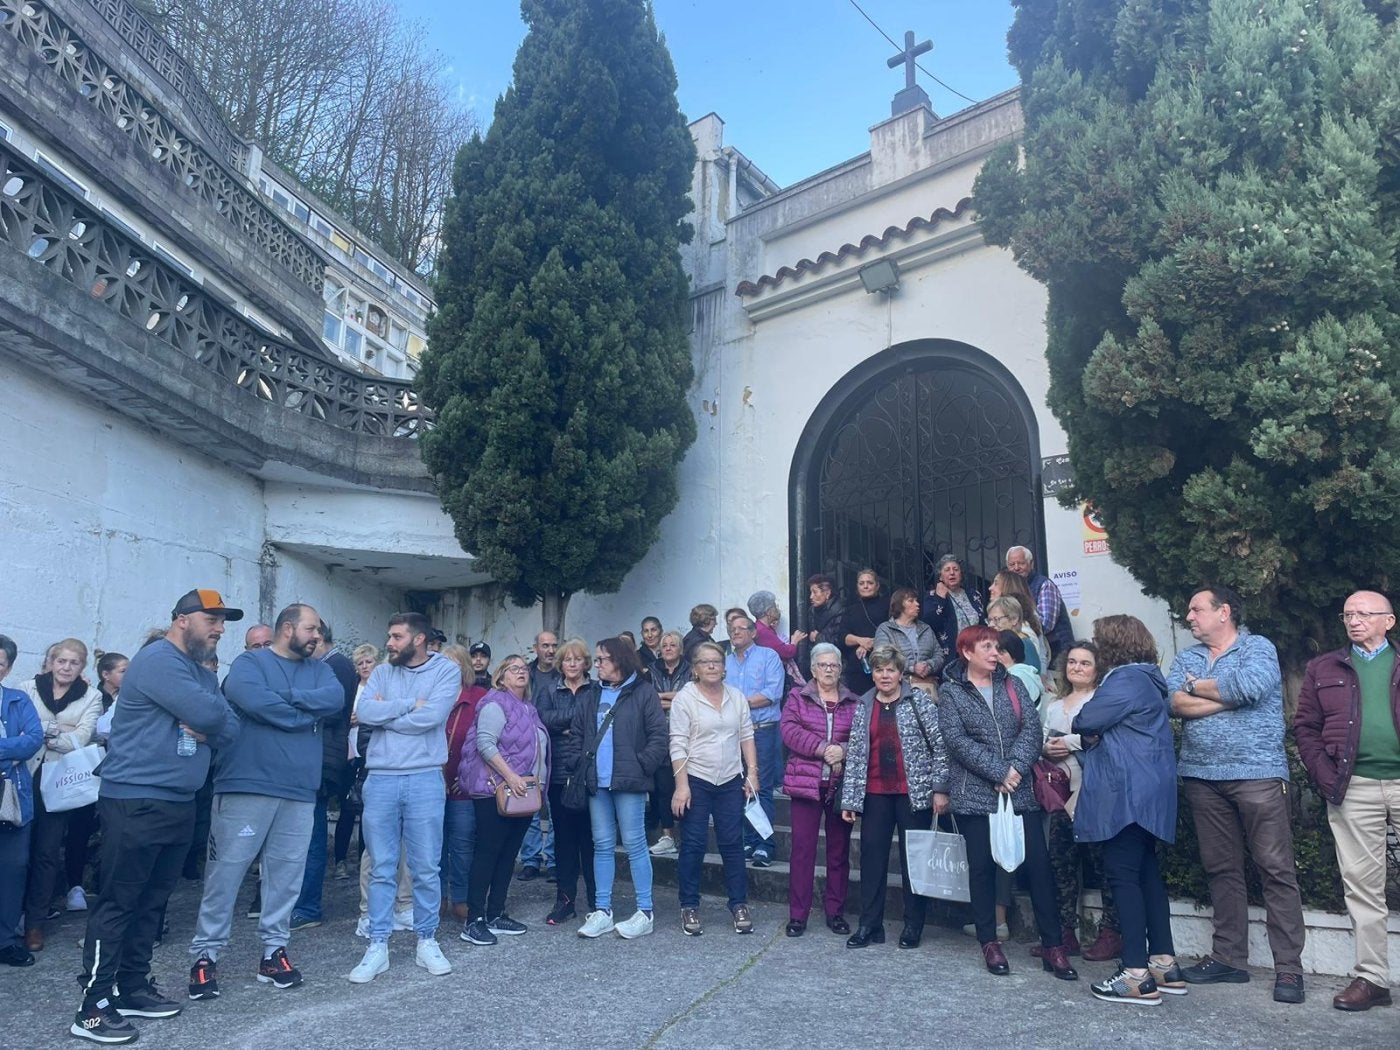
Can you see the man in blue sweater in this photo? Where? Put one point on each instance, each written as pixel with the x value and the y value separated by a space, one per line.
pixel 265 794
pixel 1228 691
pixel 170 714
pixel 406 701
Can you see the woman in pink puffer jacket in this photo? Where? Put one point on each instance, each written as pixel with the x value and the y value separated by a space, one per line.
pixel 816 727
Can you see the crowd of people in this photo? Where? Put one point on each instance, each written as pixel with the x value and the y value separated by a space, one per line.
pixel 896 714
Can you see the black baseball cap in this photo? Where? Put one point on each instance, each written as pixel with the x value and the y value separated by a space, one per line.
pixel 206 601
pixel 480 648
pixel 435 635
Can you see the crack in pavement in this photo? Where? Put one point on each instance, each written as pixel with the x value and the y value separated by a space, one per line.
pixel 748 964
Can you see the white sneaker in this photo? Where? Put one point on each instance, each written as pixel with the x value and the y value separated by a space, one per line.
pixel 665 847
pixel 403 920
pixel 375 962
pixel 430 957
pixel 597 924
pixel 362 927
pixel 639 925
pixel 77 899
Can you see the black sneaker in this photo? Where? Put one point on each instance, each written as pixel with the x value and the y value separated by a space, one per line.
pixel 146 1002
pixel 304 922
pixel 506 925
pixel 477 933
pixel 529 873
pixel 204 979
pixel 563 911
pixel 278 971
pixel 1213 971
pixel 99 1023
pixel 16 955
pixel 761 859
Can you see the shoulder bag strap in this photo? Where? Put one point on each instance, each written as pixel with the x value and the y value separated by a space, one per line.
pixel 602 730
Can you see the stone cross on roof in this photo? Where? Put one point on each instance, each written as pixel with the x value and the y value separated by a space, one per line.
pixel 906 57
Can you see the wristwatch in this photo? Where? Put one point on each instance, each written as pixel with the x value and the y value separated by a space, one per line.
pixel 1190 687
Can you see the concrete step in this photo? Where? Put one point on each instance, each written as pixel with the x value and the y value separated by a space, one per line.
pixel 771 884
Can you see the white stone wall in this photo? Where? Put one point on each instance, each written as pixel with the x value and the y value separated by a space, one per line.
pixel 106 524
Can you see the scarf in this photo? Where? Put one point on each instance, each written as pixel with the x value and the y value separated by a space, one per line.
pixel 43 684
pixel 962 608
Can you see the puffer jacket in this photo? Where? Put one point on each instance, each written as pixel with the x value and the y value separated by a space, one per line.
pixel 24 737
pixel 556 710
pixel 809 729
pixel 890 633
pixel 920 739
pixel 982 746
pixel 641 739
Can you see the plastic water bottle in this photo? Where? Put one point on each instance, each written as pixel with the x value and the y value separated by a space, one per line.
pixel 186 746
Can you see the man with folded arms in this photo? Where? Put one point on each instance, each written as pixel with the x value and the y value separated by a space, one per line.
pixel 1346 728
pixel 265 795
pixel 406 703
pixel 171 713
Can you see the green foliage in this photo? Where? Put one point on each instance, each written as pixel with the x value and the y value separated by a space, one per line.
pixel 1210 190
pixel 559 360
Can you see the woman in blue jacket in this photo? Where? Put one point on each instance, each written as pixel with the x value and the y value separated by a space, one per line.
pixel 21 736
pixel 1127 801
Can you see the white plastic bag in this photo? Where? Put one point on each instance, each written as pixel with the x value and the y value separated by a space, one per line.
pixel 1008 835
pixel 762 826
pixel 70 781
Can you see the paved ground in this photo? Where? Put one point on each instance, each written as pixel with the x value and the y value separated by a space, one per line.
pixel 550 989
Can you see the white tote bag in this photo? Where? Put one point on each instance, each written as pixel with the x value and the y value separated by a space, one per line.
pixel 1008 835
pixel 762 826
pixel 938 864
pixel 70 781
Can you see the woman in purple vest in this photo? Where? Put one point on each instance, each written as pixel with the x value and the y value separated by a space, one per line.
pixel 507 742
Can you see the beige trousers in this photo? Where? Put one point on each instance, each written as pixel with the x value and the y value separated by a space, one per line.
pixel 1358 826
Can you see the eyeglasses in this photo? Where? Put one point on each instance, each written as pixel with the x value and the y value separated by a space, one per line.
pixel 1348 616
pixel 827 667
pixel 516 667
pixel 602 659
pixel 709 663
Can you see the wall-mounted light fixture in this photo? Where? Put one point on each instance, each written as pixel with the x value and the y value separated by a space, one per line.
pixel 882 275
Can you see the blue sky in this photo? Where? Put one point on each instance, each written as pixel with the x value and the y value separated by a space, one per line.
pixel 797 82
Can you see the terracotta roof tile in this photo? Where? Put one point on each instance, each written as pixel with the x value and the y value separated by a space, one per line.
pixel 748 288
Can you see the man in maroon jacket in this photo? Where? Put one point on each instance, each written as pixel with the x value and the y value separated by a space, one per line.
pixel 1348 733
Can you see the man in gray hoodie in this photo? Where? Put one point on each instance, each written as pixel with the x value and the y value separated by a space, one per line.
pixel 406 701
pixel 265 794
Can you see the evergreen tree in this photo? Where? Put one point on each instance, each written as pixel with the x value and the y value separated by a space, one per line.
pixel 1210 191
pixel 559 360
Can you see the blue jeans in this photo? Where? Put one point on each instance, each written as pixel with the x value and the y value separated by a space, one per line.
pixel 405 807
pixel 724 802
pixel 611 812
pixel 308 905
pixel 769 745
pixel 538 850
pixel 458 845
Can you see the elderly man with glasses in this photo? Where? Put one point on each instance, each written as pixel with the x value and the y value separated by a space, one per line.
pixel 1228 691
pixel 1348 712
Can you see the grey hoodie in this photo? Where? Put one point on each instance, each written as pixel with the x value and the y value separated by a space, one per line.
pixel 407 707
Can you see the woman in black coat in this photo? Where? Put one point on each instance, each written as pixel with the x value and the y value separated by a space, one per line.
pixel 573 834
pixel 622 771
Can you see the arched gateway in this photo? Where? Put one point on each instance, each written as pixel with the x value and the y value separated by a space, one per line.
pixel 925 449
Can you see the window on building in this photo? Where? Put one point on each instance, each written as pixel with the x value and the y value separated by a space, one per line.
pixel 377 322
pixel 301 211
pixel 416 345
pixel 339 240
pixel 331 328
pixel 354 342
pixel 398 336
pixel 60 175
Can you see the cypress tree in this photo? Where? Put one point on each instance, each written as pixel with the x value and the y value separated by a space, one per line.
pixel 1210 191
pixel 558 361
